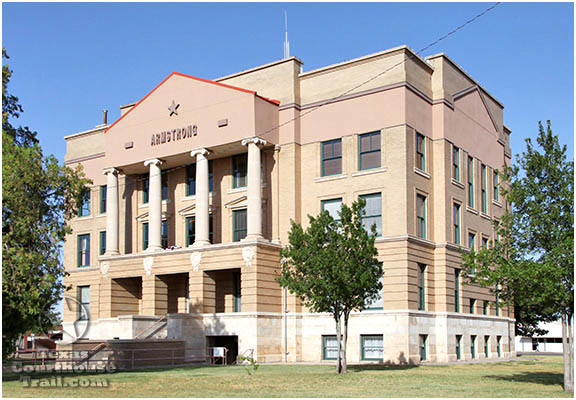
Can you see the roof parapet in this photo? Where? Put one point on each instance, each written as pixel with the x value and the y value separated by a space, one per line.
pixel 466 74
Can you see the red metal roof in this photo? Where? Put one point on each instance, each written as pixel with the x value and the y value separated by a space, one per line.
pixel 276 102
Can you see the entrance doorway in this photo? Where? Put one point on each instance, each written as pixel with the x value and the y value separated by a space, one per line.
pixel 230 342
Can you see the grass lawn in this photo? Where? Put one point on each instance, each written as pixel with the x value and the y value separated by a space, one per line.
pixel 530 377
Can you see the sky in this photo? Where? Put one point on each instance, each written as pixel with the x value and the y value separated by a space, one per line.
pixel 71 60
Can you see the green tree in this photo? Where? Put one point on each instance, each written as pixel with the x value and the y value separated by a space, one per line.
pixel 332 267
pixel 532 265
pixel 38 196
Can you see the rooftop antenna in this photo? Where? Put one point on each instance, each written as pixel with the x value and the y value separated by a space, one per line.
pixel 286 42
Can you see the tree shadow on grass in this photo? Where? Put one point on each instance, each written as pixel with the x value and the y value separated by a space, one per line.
pixel 380 367
pixel 542 378
pixel 15 376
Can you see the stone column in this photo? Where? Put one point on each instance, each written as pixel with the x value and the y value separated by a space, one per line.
pixel 112 247
pixel 154 205
pixel 254 188
pixel 202 198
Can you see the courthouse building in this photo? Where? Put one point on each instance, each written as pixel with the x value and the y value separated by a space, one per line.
pixel 195 186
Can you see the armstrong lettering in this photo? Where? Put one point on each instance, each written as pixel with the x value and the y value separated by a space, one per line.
pixel 173 135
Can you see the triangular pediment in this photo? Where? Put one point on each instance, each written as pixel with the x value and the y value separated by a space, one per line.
pixel 190 210
pixel 238 203
pixel 144 216
pixel 471 102
pixel 184 113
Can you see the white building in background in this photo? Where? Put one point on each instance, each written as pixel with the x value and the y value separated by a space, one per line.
pixel 549 343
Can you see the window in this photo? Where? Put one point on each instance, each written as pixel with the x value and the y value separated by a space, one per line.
pixel 471 241
pixel 485 307
pixel 483 188
pixel 329 347
pixel 191 230
pixel 145 188
pixel 103 193
pixel 495 189
pixel 84 207
pixel 472 247
pixel 240 227
pixel 191 178
pixel 457 290
pixel 456 163
pixel 373 212
pixel 472 306
pixel 332 157
pixel 456 221
pixel 420 152
pixel 164 237
pixel 369 151
pixel 423 340
pixel 487 346
pixel 498 345
pixel 471 182
pixel 421 216
pixel 484 243
pixel 239 170
pixel 497 305
pixel 84 250
pixel 144 235
pixel 458 347
pixel 377 304
pixel 237 292
pixel 496 231
pixel 422 286
pixel 83 303
pixel 473 346
pixel 333 207
pixel 164 178
pixel 102 242
pixel 372 347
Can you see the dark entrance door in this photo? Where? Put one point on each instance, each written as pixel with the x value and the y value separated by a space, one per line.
pixel 230 342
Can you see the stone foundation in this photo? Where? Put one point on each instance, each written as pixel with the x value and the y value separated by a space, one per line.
pixel 264 334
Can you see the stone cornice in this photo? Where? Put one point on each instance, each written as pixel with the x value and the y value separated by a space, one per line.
pixel 187 250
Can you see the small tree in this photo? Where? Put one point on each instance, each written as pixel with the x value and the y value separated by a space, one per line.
pixel 533 264
pixel 332 267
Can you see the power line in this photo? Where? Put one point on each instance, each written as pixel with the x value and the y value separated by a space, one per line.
pixel 411 55
pixel 385 71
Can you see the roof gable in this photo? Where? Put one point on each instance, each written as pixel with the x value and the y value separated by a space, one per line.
pixel 183 113
pixel 472 103
pixel 194 78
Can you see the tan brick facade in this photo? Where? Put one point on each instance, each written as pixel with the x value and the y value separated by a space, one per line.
pixel 228 288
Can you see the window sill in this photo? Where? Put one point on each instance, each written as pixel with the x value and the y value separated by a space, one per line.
pixel 84 218
pixel 470 209
pixel 370 171
pixel 497 203
pixel 456 183
pixel 485 216
pixel 243 189
pixel 146 205
pixel 193 197
pixel 330 178
pixel 422 173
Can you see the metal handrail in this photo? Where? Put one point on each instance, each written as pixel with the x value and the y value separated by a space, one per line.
pixel 244 354
pixel 125 357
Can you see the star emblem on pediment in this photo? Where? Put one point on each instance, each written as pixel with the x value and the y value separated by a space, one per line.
pixel 173 108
